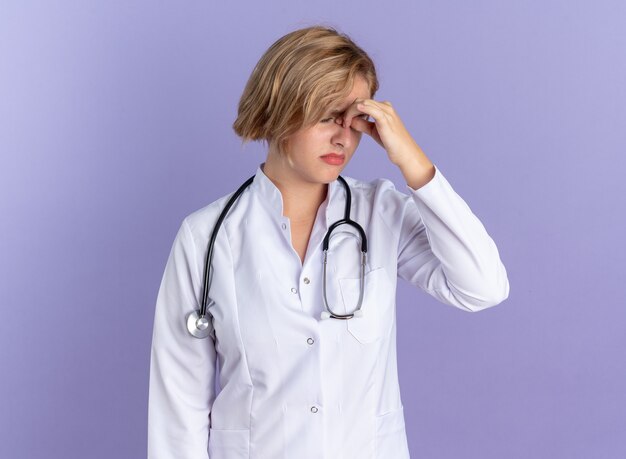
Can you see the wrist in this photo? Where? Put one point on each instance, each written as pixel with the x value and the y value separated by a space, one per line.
pixel 417 171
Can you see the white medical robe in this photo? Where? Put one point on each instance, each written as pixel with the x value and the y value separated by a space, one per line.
pixel 291 385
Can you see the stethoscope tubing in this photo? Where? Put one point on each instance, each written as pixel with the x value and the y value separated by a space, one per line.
pixel 209 255
pixel 197 323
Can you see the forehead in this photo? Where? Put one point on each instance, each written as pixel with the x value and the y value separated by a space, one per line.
pixel 360 90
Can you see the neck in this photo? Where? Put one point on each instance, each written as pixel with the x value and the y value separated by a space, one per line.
pixel 301 199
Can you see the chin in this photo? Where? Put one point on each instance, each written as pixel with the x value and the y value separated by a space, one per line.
pixel 332 175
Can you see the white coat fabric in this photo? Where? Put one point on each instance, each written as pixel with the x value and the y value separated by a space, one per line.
pixel 274 380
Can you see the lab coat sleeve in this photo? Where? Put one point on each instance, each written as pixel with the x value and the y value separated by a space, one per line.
pixel 182 368
pixel 445 250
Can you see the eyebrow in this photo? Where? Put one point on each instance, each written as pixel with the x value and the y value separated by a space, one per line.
pixel 338 111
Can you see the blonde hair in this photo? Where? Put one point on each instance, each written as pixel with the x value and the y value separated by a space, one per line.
pixel 295 82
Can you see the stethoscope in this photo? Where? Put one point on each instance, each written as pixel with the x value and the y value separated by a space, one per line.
pixel 197 320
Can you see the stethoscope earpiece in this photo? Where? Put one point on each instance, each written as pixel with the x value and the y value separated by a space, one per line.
pixel 328 315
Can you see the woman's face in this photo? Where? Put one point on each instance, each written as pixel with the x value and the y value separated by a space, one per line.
pixel 303 157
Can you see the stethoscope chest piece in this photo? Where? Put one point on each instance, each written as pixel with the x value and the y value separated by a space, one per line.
pixel 198 325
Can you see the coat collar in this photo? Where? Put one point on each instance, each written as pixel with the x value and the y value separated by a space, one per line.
pixel 271 196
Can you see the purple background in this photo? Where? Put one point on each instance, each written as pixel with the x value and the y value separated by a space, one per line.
pixel 115 123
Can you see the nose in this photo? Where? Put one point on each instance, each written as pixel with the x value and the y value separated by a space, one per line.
pixel 342 135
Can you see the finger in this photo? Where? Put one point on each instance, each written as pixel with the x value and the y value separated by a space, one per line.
pixel 362 125
pixel 385 106
pixel 368 127
pixel 352 111
pixel 375 110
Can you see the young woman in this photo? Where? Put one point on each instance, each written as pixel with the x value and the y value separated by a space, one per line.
pixel 299 355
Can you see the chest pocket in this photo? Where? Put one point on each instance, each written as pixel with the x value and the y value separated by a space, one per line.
pixel 377 307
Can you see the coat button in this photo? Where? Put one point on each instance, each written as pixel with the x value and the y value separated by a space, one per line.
pixel 310 340
pixel 313 409
pixel 306 280
pixel 294 290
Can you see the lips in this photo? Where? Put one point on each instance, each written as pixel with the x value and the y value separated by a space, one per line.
pixel 334 159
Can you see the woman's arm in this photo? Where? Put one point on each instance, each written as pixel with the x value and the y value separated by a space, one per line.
pixel 182 368
pixel 445 249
